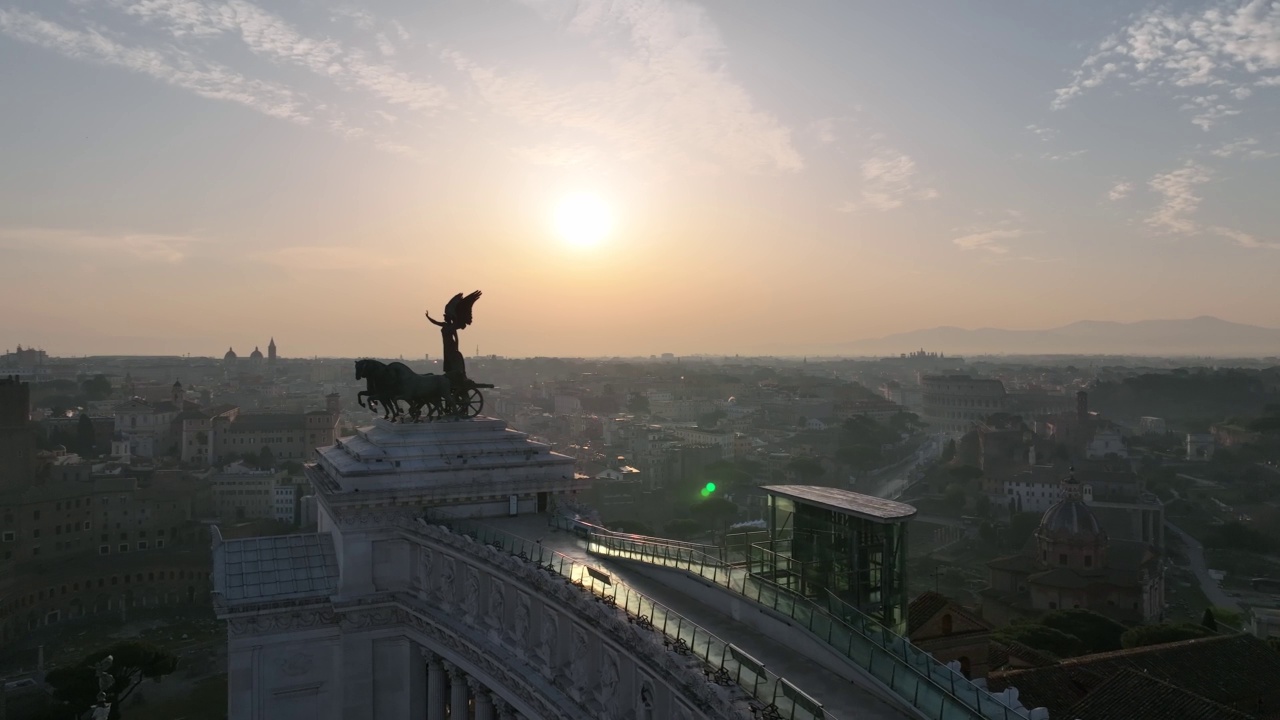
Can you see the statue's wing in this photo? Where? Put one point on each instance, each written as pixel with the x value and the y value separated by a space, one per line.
pixel 459 308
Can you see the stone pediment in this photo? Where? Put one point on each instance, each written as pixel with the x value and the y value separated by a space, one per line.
pixel 438 462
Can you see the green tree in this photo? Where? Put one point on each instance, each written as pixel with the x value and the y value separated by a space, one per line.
pixel 715 513
pixel 635 527
pixel 1208 620
pixel 85 436
pixel 96 388
pixel 75 688
pixel 982 505
pixel 682 528
pixel 638 404
pixel 1045 639
pixel 1144 635
pixel 956 496
pixel 966 473
pixel 1098 632
pixel 807 468
pixel 1237 536
pixel 1021 526
pixel 266 459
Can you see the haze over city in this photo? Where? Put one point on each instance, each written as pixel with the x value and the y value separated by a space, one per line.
pixel 181 176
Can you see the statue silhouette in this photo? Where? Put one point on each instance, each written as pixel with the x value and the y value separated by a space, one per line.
pixel 457 315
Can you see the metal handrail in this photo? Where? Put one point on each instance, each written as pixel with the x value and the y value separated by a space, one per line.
pixel 928 685
pixel 681 635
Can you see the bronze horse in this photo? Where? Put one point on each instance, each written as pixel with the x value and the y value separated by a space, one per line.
pixel 388 383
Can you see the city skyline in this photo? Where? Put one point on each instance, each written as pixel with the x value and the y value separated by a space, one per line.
pixel 208 173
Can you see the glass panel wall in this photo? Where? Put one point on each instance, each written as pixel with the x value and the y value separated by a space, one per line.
pixel 813 551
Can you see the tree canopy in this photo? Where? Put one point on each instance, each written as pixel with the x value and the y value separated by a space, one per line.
pixel 1045 639
pixel 1097 632
pixel 75 687
pixel 1144 635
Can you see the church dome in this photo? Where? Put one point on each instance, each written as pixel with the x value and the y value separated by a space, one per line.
pixel 256 354
pixel 231 355
pixel 1071 518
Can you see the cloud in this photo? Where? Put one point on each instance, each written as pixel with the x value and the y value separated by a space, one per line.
pixel 1243 239
pixel 1246 148
pixel 1228 45
pixel 988 240
pixel 1043 133
pixel 825 130
pixel 1209 111
pixel 268 35
pixel 888 182
pixel 139 247
pixel 1065 155
pixel 1180 201
pixel 669 91
pixel 169 65
pixel 1120 190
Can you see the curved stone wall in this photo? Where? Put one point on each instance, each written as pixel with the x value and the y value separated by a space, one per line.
pixel 449 620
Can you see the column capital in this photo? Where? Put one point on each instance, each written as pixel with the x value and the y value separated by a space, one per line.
pixel 428 655
pixel 477 688
pixel 453 670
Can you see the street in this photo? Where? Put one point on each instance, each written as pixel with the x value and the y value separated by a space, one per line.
pixel 1210 587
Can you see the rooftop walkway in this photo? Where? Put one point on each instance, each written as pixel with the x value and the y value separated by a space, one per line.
pixel 840 698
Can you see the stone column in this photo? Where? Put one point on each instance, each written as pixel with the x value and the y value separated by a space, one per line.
pixel 457 692
pixel 437 686
pixel 484 703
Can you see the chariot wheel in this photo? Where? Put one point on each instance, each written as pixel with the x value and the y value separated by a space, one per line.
pixel 472 403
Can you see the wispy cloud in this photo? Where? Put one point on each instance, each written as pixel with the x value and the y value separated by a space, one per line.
pixel 169 65
pixel 1244 148
pixel 139 247
pixel 1209 111
pixel 1042 133
pixel 1120 190
pixel 270 36
pixel 889 180
pixel 1243 239
pixel 670 91
pixel 988 240
pixel 1179 202
pixel 1230 46
pixel 1064 155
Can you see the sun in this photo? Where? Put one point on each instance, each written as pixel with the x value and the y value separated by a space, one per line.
pixel 583 219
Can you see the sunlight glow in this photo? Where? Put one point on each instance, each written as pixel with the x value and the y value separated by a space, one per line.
pixel 583 219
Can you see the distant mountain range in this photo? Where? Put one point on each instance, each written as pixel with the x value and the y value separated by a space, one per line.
pixel 1202 336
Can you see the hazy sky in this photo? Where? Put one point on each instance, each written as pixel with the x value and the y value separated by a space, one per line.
pixel 179 176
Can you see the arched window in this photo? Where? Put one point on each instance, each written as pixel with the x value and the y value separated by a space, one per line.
pixel 946 624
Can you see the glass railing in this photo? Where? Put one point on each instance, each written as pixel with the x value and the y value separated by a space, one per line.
pixel 724 662
pixel 918 678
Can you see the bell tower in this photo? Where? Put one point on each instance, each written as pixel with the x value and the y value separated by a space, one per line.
pixel 271 353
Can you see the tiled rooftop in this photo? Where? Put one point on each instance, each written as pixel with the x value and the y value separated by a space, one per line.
pixel 271 568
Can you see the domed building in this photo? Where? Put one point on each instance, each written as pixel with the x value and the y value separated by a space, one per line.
pixel 1069 562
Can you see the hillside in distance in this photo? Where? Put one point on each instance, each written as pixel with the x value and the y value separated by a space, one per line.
pixel 1202 336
